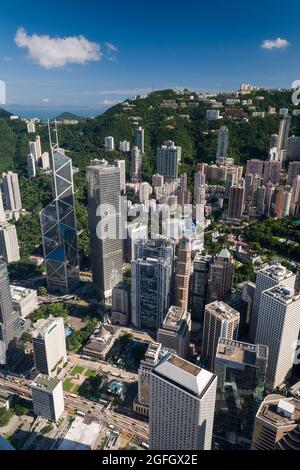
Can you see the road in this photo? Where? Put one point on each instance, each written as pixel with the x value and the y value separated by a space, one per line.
pixel 94 410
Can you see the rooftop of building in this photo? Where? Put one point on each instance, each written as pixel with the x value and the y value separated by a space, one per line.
pixel 243 353
pixel 18 293
pixel 41 327
pixel 283 294
pixel 279 411
pixel 184 374
pixel 222 311
pixel 82 435
pixel 174 318
pixel 45 382
pixel 276 271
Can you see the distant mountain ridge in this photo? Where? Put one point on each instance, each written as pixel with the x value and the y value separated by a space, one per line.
pixel 66 116
pixel 4 114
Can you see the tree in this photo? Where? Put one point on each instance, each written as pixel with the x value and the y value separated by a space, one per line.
pixel 5 416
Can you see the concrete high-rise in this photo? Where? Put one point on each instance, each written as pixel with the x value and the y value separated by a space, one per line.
pixel 120 308
pixel 31 165
pixel 49 345
pixel 283 135
pixel 105 226
pixel 135 231
pixel 223 143
pixel 221 276
pixel 182 273
pixel 139 139
pixel 236 202
pixel 241 371
pixel 11 191
pixel 121 164
pixel 201 267
pixel 295 198
pixel 59 229
pixel 271 172
pixel 136 165
pixel 152 356
pixel 293 148
pixel 278 327
pixel 47 397
pixel 109 143
pixel 150 292
pixel 10 322
pixel 174 333
pixel 168 159
pixel 9 245
pixel 255 167
pixel 277 424
pixel 182 402
pixel 293 172
pixel 220 321
pixel 268 277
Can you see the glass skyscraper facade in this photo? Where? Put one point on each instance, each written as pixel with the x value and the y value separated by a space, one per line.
pixel 59 231
pixel 241 370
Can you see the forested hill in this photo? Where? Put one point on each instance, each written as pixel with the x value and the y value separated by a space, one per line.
pixel 184 122
pixel 186 125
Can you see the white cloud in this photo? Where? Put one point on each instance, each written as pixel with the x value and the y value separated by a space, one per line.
pixel 7 58
pixel 45 100
pixel 111 47
pixel 275 43
pixel 57 52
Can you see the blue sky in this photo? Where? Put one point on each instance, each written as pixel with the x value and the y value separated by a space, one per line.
pixel 129 45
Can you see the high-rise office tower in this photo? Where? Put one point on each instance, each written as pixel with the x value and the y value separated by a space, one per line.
pixel 223 143
pixel 135 231
pixel 2 211
pixel 277 424
pixel 283 134
pixel 47 397
pixel 220 321
pixel 49 345
pixel 120 304
pixel 11 191
pixel 221 276
pixel 150 291
pixel 241 371
pixel 183 272
pixel 199 188
pixel 122 165
pixel 271 172
pixel 109 143
pixel 152 356
pixel 136 165
pixel 58 225
pixel 157 248
pixel 278 327
pixel 174 333
pixel 265 278
pixel 10 323
pixel 168 159
pixel 139 138
pixel 260 200
pixel 31 162
pixel 255 167
pixel 157 181
pixel 201 265
pixel 293 172
pixel 9 245
pixel 182 402
pixel 105 226
pixel 295 199
pixel 293 148
pixel 236 202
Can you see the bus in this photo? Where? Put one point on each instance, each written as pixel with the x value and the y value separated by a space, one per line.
pixel 146 446
pixel 80 413
pixel 73 395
